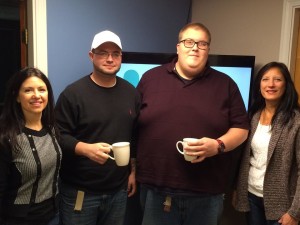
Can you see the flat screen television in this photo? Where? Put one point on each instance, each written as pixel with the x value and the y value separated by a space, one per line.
pixel 239 68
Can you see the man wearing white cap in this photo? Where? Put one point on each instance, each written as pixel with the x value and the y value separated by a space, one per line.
pixel 92 113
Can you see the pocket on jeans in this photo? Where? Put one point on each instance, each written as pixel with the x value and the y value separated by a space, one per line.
pixel 68 194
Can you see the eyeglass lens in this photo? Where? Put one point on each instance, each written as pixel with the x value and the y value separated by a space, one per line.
pixel 103 54
pixel 189 43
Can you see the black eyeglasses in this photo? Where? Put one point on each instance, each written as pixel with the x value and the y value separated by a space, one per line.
pixel 105 55
pixel 189 43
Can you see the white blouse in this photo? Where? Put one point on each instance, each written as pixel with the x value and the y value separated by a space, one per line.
pixel 258 159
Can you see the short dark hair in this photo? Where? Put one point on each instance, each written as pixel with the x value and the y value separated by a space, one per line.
pixel 196 26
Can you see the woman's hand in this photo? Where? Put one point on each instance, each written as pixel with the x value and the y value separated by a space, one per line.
pixel 286 219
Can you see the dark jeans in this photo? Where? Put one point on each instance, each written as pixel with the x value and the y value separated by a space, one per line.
pixel 256 215
pixel 185 210
pixel 101 209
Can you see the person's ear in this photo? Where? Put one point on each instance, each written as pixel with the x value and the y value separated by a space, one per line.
pixel 91 55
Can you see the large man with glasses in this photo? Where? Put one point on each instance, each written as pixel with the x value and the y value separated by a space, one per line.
pixel 187 99
pixel 93 113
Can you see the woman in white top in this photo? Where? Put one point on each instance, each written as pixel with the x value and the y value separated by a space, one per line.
pixel 268 186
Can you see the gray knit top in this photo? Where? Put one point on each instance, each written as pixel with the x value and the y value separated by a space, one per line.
pixel 29 175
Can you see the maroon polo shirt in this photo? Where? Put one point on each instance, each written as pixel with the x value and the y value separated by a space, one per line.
pixel 173 109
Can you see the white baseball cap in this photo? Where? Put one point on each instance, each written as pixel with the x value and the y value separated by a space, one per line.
pixel 105 36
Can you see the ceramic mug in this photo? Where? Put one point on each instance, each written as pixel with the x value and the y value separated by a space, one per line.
pixel 183 143
pixel 121 152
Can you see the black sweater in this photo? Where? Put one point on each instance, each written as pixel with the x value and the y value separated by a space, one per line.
pixel 89 113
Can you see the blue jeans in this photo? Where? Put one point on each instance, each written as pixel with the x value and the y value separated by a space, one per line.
pixel 106 209
pixel 54 220
pixel 256 215
pixel 185 210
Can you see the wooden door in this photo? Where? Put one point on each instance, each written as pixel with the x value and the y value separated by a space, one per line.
pixel 297 65
pixel 23 33
pixel 13 54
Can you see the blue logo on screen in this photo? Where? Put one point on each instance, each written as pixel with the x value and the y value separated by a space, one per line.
pixel 132 77
pixel 132 72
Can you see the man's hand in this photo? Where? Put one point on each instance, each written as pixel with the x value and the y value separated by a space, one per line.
pixel 202 148
pixel 131 188
pixel 97 152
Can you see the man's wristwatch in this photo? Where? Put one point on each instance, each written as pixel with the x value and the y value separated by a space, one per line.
pixel 221 148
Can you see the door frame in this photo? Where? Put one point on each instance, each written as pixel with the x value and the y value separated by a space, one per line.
pixel 37 34
pixel 289 34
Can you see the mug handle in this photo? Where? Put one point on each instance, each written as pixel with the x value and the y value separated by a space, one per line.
pixel 110 155
pixel 178 149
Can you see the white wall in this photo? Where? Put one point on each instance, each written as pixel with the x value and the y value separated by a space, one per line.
pixel 242 27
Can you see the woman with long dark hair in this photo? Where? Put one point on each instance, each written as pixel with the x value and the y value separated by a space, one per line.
pixel 29 153
pixel 268 187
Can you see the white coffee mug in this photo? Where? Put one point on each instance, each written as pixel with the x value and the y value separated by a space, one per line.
pixel 183 143
pixel 121 151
